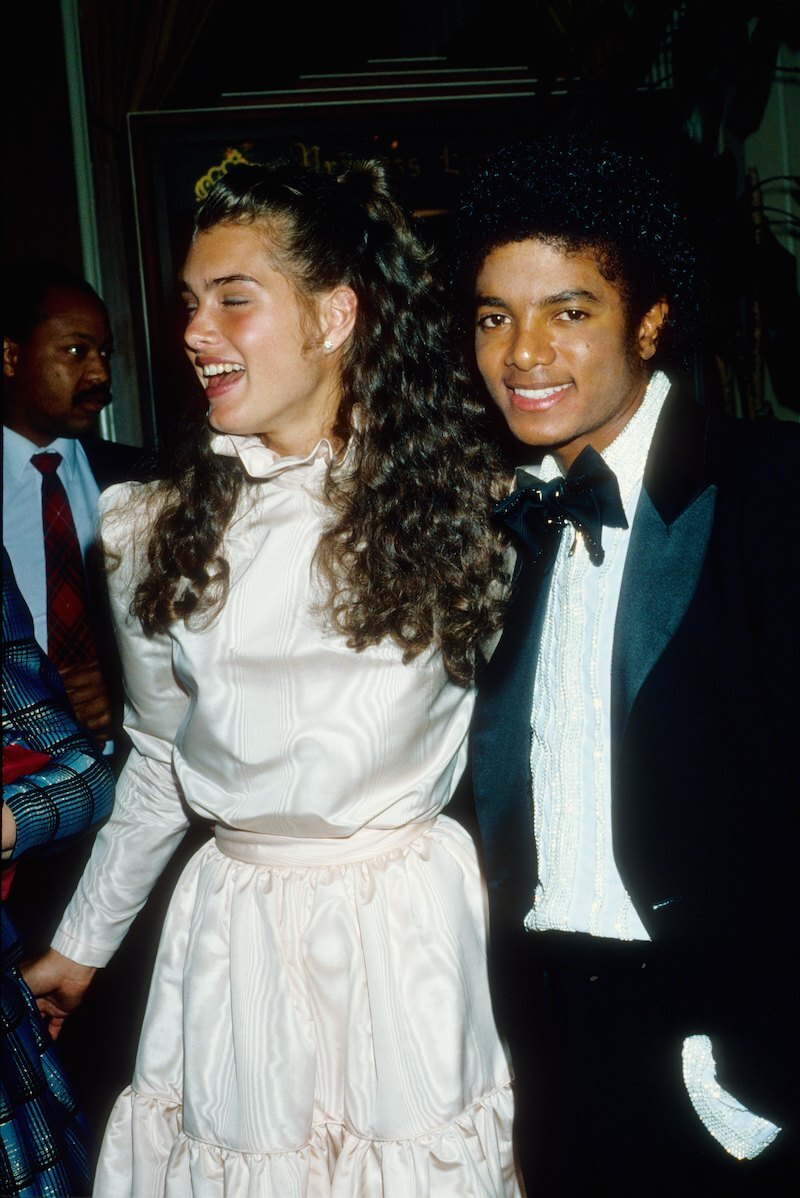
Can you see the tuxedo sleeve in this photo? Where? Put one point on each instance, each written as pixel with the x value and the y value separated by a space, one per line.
pixel 759 1054
pixel 149 818
pixel 773 581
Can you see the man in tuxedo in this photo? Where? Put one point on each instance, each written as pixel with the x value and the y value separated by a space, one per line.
pixel 634 743
pixel 57 345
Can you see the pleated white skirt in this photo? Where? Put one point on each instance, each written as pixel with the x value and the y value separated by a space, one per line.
pixel 319 1026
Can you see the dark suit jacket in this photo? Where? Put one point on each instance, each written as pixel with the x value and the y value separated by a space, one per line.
pixel 114 463
pixel 705 725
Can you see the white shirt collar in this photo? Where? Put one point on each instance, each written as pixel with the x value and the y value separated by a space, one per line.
pixel 627 453
pixel 18 451
pixel 261 462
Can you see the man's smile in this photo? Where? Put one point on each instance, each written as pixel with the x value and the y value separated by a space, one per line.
pixel 534 399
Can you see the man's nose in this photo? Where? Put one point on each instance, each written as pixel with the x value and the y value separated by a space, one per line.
pixel 98 368
pixel 531 346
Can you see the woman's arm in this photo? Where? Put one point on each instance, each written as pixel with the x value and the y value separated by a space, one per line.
pixel 149 818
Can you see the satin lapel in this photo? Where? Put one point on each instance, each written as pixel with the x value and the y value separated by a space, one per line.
pixel 668 544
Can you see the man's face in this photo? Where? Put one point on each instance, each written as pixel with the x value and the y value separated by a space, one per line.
pixel 58 381
pixel 555 348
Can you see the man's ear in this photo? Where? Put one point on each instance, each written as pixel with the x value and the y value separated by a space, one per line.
pixel 650 327
pixel 11 352
pixel 337 317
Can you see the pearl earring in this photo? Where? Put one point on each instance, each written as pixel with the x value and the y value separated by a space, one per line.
pixel 327 345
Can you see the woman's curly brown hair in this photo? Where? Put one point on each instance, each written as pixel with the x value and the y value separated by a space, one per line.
pixel 409 552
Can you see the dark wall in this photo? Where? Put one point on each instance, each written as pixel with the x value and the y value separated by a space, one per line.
pixel 40 207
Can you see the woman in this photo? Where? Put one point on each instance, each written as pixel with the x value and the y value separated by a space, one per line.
pixel 57 787
pixel 298 608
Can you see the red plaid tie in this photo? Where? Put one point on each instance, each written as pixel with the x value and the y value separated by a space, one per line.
pixel 69 634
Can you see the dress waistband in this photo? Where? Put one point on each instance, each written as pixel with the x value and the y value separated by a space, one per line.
pixel 258 848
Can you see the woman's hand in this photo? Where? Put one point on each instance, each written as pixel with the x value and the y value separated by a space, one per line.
pixel 58 984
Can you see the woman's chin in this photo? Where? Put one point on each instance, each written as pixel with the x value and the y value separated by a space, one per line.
pixel 220 423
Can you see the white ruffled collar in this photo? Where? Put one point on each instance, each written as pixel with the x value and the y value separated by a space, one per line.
pixel 627 453
pixel 261 462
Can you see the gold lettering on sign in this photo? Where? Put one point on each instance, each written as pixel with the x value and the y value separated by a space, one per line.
pixel 231 157
pixel 309 155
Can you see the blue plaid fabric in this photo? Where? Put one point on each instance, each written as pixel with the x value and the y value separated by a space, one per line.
pixel 44 1143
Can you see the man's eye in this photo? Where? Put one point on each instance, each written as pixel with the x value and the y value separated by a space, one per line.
pixel 571 314
pixel 492 320
pixel 76 351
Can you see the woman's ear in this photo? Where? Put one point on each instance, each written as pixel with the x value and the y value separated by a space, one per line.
pixel 337 317
pixel 650 327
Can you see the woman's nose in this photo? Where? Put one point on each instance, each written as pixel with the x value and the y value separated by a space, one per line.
pixel 200 330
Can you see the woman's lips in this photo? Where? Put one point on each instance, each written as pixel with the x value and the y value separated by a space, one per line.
pixel 218 378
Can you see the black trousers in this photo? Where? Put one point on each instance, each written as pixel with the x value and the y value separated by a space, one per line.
pixel 595 1036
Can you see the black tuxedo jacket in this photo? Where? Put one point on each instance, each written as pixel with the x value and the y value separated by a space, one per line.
pixel 705 729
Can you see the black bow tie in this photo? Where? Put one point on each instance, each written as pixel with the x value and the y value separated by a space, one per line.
pixel 587 497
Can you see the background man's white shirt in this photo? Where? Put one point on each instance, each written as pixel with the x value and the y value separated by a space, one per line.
pixel 23 535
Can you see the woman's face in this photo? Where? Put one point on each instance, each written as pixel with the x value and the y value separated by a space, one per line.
pixel 261 364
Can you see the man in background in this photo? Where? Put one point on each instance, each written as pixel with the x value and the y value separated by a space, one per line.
pixel 57 345
pixel 635 759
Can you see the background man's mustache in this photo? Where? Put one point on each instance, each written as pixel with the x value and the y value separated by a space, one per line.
pixel 97 393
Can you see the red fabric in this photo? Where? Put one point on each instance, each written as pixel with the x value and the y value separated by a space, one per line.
pixel 69 633
pixel 18 761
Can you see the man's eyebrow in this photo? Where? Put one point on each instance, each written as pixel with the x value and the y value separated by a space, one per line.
pixel 80 335
pixel 568 297
pixel 490 301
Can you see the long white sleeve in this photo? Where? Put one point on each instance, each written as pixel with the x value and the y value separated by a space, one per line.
pixel 149 818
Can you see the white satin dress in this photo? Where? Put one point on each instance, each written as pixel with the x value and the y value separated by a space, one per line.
pixel 319 1021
